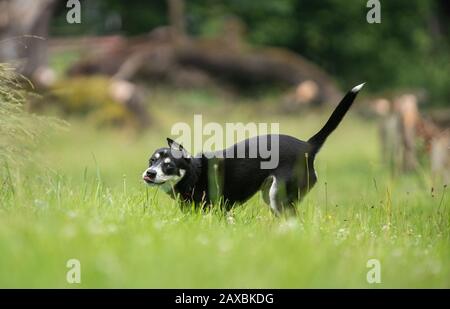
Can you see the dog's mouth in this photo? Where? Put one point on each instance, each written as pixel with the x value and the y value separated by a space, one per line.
pixel 152 181
pixel 148 180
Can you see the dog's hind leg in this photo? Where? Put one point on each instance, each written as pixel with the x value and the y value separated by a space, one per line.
pixel 275 204
pixel 271 191
pixel 276 194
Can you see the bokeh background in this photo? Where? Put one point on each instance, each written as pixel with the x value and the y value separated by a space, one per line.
pixel 82 106
pixel 408 49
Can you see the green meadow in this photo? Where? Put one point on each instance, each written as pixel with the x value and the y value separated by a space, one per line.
pixel 78 194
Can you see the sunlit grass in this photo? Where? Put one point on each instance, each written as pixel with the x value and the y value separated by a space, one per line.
pixel 82 197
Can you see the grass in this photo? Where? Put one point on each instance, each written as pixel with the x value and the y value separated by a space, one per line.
pixel 81 197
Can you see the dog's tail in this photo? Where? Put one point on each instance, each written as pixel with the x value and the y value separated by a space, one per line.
pixel 336 117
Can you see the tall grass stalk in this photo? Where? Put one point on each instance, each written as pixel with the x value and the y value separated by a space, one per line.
pixel 20 131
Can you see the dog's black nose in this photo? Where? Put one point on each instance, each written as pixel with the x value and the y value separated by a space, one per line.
pixel 151 174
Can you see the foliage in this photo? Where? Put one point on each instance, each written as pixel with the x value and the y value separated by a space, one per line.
pixel 91 96
pixel 112 16
pixel 402 51
pixel 20 131
pixel 409 49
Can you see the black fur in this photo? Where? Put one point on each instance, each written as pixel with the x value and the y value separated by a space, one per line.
pixel 233 180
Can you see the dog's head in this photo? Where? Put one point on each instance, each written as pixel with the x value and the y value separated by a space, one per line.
pixel 167 165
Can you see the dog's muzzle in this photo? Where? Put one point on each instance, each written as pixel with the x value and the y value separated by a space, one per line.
pixel 149 176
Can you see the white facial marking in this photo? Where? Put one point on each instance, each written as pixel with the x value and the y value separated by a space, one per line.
pixel 167 160
pixel 159 173
pixel 157 155
pixel 168 181
pixel 169 184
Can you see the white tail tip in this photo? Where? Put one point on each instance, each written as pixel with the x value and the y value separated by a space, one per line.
pixel 358 88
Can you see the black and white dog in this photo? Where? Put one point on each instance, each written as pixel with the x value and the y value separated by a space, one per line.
pixel 231 180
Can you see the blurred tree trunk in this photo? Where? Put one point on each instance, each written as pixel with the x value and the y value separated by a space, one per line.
pixel 176 18
pixel 23 33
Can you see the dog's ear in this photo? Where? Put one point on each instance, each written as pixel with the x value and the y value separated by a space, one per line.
pixel 175 146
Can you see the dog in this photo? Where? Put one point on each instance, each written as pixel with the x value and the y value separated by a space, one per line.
pixel 229 180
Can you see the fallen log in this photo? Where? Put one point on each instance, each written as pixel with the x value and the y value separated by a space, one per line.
pixel 257 65
pixel 158 57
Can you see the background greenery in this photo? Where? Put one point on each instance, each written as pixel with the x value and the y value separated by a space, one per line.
pixel 409 49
